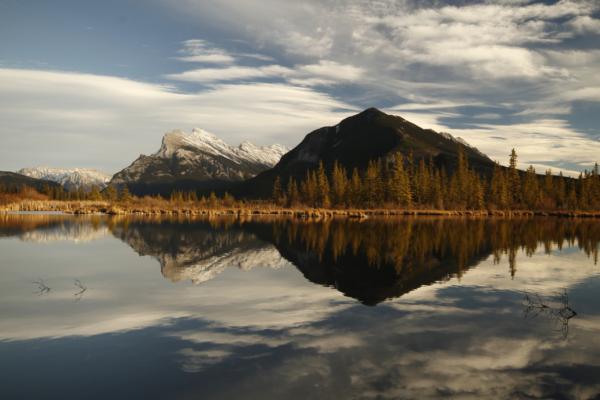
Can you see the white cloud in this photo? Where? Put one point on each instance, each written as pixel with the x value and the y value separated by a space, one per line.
pixel 231 74
pixel 333 70
pixel 487 116
pixel 585 24
pixel 197 50
pixel 79 120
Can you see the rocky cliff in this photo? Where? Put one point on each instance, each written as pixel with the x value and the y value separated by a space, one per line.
pixel 193 160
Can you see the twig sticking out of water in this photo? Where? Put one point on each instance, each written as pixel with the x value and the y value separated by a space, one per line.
pixel 43 288
pixel 556 309
pixel 82 287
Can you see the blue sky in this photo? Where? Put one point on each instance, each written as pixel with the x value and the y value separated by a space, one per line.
pixel 96 84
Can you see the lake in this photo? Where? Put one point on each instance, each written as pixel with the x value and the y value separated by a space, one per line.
pixel 407 307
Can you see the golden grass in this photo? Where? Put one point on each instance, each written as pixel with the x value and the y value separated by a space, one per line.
pixel 192 209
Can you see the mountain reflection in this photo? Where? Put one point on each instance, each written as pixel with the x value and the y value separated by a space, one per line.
pixel 369 260
pixel 196 249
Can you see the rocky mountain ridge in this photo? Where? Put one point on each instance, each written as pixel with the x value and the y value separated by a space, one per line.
pixel 198 159
pixel 70 179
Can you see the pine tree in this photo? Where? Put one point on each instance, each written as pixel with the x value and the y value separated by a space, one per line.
pixel 560 190
pixel 401 187
pixel 322 187
pixel 373 188
pixel 514 180
pixel 530 188
pixel 125 195
pixel 213 202
pixel 277 191
pixel 292 192
pixel 95 194
pixel 110 193
pixel 479 195
pixel 355 197
pixel 338 184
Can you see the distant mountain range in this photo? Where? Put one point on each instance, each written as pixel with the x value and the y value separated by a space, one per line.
pixel 195 160
pixel 70 179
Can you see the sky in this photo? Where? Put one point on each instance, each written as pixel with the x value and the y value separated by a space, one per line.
pixel 95 84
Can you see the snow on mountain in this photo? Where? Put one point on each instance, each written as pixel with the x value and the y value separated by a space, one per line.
pixel 263 255
pixel 71 179
pixel 461 141
pixel 67 231
pixel 197 159
pixel 207 142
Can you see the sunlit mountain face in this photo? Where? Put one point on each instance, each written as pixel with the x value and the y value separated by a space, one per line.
pixel 271 307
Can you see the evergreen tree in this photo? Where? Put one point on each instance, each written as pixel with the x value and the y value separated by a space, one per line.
pixel 479 195
pixel 338 184
pixel 322 187
pixel 110 193
pixel 292 192
pixel 213 202
pixel 560 190
pixel 355 197
pixel 401 187
pixel 95 194
pixel 125 196
pixel 277 191
pixel 530 188
pixel 514 180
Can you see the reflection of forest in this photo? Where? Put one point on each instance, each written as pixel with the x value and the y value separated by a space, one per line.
pixel 371 260
pixel 384 258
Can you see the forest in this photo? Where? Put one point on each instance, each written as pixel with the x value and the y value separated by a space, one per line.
pixel 401 184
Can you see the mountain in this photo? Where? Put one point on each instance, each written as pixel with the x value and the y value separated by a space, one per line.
pixel 355 141
pixel 70 179
pixel 194 160
pixel 18 179
pixel 197 251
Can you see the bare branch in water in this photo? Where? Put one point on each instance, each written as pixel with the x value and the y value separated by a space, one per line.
pixel 82 287
pixel 556 309
pixel 43 288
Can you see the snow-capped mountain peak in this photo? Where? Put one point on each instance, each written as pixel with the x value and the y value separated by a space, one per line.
pixel 461 141
pixel 207 142
pixel 71 179
pixel 197 156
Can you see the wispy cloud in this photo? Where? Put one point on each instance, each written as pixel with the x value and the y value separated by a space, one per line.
pixel 197 50
pixel 83 117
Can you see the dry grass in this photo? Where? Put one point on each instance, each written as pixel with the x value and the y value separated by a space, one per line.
pixel 151 206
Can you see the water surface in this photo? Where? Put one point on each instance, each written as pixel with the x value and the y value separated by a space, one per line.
pixel 402 307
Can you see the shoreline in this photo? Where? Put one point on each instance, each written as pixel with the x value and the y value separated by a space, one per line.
pixel 101 207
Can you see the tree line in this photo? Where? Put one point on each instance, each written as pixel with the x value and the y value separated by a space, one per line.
pixel 403 184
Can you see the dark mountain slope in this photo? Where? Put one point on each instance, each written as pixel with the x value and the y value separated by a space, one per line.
pixel 18 179
pixel 355 141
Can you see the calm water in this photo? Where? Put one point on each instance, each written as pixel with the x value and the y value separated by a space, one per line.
pixel 407 307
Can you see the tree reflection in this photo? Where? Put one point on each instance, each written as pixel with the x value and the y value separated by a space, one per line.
pixel 81 292
pixel 370 259
pixel 556 309
pixel 42 287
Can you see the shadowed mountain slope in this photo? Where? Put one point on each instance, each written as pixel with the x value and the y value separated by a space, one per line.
pixel 18 179
pixel 355 141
